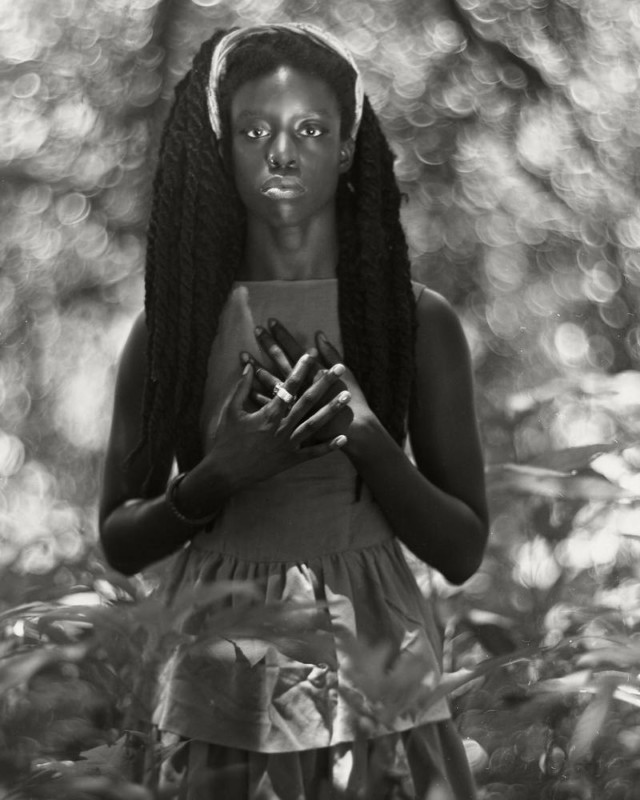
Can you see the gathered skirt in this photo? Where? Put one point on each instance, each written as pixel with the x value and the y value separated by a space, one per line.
pixel 424 763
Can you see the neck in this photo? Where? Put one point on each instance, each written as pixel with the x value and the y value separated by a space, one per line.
pixel 297 252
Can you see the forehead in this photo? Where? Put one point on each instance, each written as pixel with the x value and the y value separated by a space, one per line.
pixel 285 85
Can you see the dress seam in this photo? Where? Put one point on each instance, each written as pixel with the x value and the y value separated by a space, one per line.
pixel 294 561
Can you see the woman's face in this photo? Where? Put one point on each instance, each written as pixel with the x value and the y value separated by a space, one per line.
pixel 286 147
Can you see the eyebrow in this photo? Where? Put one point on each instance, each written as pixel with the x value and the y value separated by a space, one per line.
pixel 260 113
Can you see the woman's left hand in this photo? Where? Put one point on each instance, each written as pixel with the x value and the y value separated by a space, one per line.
pixel 362 413
pixel 283 349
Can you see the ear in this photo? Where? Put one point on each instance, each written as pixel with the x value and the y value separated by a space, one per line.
pixel 347 150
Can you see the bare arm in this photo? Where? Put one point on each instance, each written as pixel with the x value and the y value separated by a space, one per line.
pixel 439 509
pixel 134 532
pixel 248 447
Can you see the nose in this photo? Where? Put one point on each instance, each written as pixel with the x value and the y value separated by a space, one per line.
pixel 282 153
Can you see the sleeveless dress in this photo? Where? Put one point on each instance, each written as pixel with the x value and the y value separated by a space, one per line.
pixel 273 711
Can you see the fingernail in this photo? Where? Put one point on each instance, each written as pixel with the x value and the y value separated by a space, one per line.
pixel 245 357
pixel 344 397
pixel 338 370
pixel 272 323
pixel 259 330
pixel 246 369
pixel 339 441
pixel 313 352
pixel 320 335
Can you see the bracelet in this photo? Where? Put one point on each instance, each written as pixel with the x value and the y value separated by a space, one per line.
pixel 170 497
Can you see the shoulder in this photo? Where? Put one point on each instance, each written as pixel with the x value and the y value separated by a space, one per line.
pixel 133 360
pixel 437 321
pixel 136 343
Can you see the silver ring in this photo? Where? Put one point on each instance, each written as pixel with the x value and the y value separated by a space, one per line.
pixel 283 394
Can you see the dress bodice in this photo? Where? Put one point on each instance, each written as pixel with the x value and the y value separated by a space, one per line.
pixel 264 520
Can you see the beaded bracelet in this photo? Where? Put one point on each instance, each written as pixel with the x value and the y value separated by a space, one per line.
pixel 170 497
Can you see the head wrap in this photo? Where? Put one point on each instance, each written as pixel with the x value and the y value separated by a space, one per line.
pixel 317 35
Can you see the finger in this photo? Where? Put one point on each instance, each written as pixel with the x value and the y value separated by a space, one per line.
pixel 319 373
pixel 323 449
pixel 318 420
pixel 259 399
pixel 273 350
pixel 265 381
pixel 330 354
pixel 289 344
pixel 284 393
pixel 241 392
pixel 313 395
pixel 299 374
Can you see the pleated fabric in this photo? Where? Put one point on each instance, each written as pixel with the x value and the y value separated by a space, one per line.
pixel 425 763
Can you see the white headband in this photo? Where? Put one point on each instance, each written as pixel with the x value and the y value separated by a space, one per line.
pixel 231 40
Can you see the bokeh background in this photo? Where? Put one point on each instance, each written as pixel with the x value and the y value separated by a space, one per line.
pixel 516 125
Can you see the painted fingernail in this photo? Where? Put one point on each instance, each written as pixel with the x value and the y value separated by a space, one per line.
pixel 344 397
pixel 339 441
pixel 338 369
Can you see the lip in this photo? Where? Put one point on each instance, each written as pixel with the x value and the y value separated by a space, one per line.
pixel 283 188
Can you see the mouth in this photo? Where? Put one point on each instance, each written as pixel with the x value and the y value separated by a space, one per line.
pixel 283 188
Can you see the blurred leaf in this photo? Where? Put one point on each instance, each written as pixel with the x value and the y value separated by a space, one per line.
pixel 19 669
pixel 568 684
pixel 388 682
pixel 628 694
pixel 118 760
pixel 626 654
pixel 301 630
pixel 590 724
pixel 570 459
pixel 529 479
pixel 492 631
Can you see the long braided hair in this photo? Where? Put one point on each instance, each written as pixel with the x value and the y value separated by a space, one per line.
pixel 195 247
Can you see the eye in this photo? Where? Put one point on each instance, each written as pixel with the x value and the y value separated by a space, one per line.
pixel 311 130
pixel 255 132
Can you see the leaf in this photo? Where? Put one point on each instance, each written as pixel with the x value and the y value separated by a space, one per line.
pixel 628 694
pixel 386 684
pixel 568 684
pixel 529 479
pixel 117 759
pixel 626 654
pixel 590 723
pixel 450 681
pixel 570 459
pixel 301 630
pixel 491 630
pixel 16 670
pixel 410 686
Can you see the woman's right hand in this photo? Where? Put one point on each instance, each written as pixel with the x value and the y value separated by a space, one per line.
pixel 250 446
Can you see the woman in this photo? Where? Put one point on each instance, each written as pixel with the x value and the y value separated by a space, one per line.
pixel 275 205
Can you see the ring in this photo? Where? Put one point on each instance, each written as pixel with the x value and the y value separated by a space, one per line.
pixel 283 394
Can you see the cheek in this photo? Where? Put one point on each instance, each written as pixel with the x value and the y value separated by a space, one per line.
pixel 325 168
pixel 245 164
